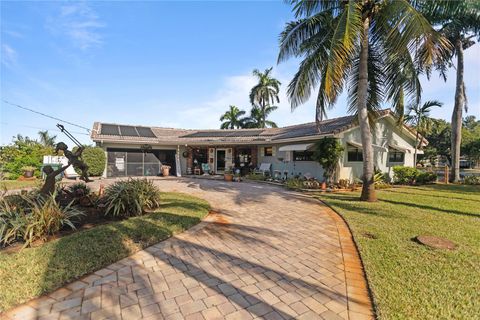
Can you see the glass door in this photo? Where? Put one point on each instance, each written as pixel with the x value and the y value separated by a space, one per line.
pixel 220 163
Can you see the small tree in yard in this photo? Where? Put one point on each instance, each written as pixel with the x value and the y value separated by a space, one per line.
pixel 328 152
pixel 94 158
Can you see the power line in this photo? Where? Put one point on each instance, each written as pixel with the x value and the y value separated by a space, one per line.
pixel 45 115
pixel 41 128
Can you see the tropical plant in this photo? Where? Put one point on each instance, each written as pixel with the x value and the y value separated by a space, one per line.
pixel 264 94
pixel 36 219
pixel 405 175
pixel 131 197
pixel 22 152
pixel 375 48
pixel 328 152
pixel 459 22
pixel 232 118
pixel 46 139
pixel 258 119
pixel 419 117
pixel 79 189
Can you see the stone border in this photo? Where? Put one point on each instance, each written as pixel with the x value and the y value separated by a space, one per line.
pixel 359 297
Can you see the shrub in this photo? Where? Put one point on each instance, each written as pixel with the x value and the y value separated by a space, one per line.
pixel 131 197
pixel 294 183
pixel 472 180
pixel 94 158
pixel 256 177
pixel 79 189
pixel 36 218
pixel 426 177
pixel 405 175
pixel 328 152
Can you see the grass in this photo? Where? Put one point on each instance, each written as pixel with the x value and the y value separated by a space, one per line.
pixel 409 280
pixel 35 271
pixel 17 184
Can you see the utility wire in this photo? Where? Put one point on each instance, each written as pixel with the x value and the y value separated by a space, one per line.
pixel 40 128
pixel 45 115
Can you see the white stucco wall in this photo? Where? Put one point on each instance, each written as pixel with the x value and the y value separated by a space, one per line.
pixel 386 134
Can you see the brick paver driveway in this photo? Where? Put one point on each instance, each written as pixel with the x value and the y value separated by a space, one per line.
pixel 264 253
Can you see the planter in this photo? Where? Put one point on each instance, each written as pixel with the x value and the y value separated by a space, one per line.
pixel 228 177
pixel 165 171
pixel 28 173
pixel 324 186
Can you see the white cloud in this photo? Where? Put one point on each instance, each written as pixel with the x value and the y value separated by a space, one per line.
pixel 9 55
pixel 80 23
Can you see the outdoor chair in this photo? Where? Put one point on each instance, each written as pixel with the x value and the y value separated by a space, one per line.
pixel 205 168
pixel 264 167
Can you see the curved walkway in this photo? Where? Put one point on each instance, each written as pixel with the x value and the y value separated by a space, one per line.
pixel 264 253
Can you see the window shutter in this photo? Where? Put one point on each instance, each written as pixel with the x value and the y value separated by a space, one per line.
pixel 262 151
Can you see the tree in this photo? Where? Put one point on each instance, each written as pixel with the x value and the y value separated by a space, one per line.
pixel 327 152
pixel 375 48
pixel 265 93
pixel 232 118
pixel 459 21
pixel 419 117
pixel 46 139
pixel 438 140
pixel 258 119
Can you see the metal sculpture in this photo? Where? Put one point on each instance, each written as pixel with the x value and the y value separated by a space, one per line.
pixel 48 187
pixel 74 158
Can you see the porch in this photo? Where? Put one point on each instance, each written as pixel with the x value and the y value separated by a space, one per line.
pixel 215 160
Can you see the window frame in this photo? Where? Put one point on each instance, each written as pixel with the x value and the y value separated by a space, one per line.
pixel 305 155
pixel 358 153
pixel 265 151
pixel 395 152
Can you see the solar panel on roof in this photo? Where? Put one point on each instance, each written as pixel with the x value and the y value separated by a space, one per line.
pixel 220 134
pixel 145 132
pixel 128 131
pixel 110 129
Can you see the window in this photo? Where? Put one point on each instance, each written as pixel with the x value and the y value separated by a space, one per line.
pixel 354 154
pixel 268 151
pixel 302 156
pixel 395 155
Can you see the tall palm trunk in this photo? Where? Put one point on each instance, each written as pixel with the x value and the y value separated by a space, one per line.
pixel 416 148
pixel 457 114
pixel 368 189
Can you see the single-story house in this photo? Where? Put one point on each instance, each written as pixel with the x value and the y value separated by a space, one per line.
pixel 141 151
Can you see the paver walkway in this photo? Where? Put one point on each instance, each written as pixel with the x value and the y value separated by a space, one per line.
pixel 265 253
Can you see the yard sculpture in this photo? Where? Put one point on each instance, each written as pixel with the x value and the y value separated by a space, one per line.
pixel 73 157
pixel 48 187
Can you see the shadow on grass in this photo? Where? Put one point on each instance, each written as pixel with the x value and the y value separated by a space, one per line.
pixel 426 194
pixel 431 208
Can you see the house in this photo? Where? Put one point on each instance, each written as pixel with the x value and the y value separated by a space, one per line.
pixel 141 151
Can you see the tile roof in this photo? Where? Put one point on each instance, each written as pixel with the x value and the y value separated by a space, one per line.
pixel 189 136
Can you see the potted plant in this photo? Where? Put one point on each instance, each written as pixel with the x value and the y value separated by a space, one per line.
pixel 166 171
pixel 228 175
pixel 28 171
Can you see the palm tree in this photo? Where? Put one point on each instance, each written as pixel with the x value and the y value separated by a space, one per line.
pixel 375 48
pixel 265 93
pixel 231 119
pixel 46 139
pixel 258 119
pixel 419 117
pixel 459 22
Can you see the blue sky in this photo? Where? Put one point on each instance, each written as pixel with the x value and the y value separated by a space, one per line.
pixel 171 64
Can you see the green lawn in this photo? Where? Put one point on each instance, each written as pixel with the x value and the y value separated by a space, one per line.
pixel 17 184
pixel 34 271
pixel 409 280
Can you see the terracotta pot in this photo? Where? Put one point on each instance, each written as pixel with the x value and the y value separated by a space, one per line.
pixel 28 173
pixel 228 177
pixel 324 185
pixel 165 172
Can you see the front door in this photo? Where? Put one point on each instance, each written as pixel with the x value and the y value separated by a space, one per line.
pixel 220 162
